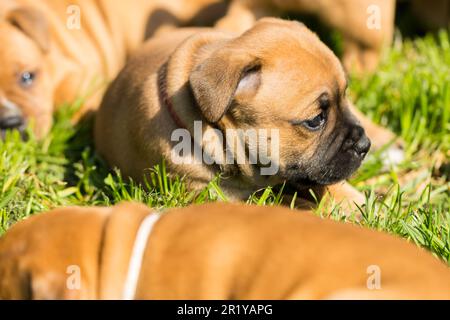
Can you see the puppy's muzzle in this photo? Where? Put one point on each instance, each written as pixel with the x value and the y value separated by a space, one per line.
pixel 357 142
pixel 11 117
pixel 12 122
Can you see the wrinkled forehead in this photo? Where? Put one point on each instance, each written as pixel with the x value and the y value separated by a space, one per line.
pixel 16 50
pixel 18 53
pixel 6 6
pixel 293 48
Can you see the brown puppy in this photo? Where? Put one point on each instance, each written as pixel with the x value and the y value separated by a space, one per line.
pixel 54 52
pixel 214 251
pixel 277 77
pixel 367 25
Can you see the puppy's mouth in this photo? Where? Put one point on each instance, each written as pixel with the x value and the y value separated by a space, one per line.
pixel 13 124
pixel 301 181
pixel 340 167
pixel 299 178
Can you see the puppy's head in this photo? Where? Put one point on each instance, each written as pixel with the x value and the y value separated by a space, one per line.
pixel 279 75
pixel 26 94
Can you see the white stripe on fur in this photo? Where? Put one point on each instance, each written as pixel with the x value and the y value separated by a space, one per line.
pixel 137 255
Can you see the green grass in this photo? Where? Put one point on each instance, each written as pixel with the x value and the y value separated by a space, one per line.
pixel 410 94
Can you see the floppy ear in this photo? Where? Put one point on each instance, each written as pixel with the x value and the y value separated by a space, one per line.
pixel 33 24
pixel 219 78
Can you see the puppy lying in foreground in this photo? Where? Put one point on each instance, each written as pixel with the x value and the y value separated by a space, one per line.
pixel 199 99
pixel 214 251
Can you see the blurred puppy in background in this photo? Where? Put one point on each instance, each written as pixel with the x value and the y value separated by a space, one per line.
pixel 56 51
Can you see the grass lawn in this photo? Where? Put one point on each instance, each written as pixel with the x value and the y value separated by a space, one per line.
pixel 410 94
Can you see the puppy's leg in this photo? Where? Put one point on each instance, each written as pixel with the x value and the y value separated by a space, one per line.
pixel 161 21
pixel 242 14
pixel 342 194
pixel 347 197
pixel 358 58
pixel 345 192
pixel 367 27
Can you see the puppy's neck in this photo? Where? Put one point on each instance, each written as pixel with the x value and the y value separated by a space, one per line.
pixel 186 58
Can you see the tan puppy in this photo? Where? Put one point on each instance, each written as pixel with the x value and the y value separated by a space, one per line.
pixel 367 25
pixel 214 251
pixel 278 77
pixel 55 51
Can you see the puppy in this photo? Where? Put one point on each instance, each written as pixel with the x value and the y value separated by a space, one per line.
pixel 214 251
pixel 55 52
pixel 367 27
pixel 277 81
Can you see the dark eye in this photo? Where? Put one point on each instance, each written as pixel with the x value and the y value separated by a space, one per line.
pixel 315 123
pixel 27 79
pixel 324 102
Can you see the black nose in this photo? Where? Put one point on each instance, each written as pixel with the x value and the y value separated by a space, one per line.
pixel 358 141
pixel 11 122
pixel 362 146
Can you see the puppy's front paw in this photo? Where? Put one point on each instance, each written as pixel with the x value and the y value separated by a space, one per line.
pixel 394 155
pixel 347 198
pixel 387 143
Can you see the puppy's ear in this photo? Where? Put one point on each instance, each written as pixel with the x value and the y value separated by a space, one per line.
pixel 222 77
pixel 33 24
